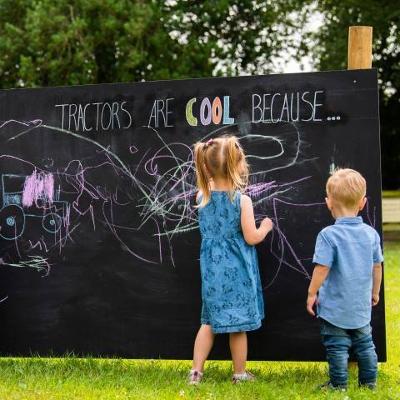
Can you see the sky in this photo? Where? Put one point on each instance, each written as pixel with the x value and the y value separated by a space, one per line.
pixel 289 63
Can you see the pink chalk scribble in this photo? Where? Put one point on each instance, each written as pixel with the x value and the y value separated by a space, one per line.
pixel 38 186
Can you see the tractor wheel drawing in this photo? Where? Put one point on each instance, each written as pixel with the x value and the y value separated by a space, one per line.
pixel 52 222
pixel 12 222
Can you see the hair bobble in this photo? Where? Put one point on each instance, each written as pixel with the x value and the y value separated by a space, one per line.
pixel 208 143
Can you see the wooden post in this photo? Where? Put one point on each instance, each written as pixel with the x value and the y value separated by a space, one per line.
pixel 360 47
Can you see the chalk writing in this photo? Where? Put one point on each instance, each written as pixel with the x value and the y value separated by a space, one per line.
pixel 159 115
pixel 286 107
pixel 209 112
pixel 95 116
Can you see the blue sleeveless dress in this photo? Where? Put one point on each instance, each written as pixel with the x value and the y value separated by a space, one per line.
pixel 231 286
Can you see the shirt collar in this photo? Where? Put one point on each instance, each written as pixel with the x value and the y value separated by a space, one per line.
pixel 349 220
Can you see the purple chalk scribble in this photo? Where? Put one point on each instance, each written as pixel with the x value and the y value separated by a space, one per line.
pixel 153 194
pixel 38 186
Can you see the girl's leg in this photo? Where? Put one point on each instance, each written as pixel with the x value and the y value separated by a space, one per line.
pixel 238 345
pixel 202 347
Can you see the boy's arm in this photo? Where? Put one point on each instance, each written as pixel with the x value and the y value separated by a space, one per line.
pixel 376 283
pixel 319 275
pixel 377 270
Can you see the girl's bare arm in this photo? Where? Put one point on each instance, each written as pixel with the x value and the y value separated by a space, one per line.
pixel 252 234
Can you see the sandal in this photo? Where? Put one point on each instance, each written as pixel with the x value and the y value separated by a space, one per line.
pixel 195 377
pixel 246 376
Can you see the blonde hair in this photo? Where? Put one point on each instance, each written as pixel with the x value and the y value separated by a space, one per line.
pixel 346 186
pixel 222 157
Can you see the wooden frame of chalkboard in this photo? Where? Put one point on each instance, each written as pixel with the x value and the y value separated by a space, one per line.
pixel 99 239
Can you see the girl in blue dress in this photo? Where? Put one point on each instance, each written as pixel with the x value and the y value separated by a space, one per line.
pixel 231 287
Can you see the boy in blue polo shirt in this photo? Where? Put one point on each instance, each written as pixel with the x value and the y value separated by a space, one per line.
pixel 347 279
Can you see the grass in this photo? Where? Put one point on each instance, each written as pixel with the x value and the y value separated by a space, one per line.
pixel 392 227
pixel 391 233
pixel 84 379
pixel 391 194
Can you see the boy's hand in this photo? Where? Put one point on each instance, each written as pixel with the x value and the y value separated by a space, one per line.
pixel 319 275
pixel 267 224
pixel 376 283
pixel 311 301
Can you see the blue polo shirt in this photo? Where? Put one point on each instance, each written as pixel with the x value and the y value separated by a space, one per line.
pixel 349 248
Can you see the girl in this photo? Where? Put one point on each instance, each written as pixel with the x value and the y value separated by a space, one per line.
pixel 231 287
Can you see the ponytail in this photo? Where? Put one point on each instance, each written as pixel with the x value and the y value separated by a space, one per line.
pixel 201 173
pixel 237 170
pixel 221 157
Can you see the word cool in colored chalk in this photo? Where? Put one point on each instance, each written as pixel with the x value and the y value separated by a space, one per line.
pixel 215 111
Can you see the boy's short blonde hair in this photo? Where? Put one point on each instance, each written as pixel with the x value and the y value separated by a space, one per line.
pixel 346 186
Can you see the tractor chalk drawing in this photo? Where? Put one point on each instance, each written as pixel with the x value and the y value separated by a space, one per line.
pixel 29 196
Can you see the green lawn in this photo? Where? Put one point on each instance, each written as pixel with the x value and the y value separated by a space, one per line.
pixel 72 378
pixel 387 194
pixel 391 233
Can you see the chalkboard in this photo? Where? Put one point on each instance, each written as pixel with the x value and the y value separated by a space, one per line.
pixel 99 239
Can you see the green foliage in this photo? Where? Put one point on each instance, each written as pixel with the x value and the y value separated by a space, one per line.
pixel 391 194
pixel 76 42
pixel 60 42
pixel 329 48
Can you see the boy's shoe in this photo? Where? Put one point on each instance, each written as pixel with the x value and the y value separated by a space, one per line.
pixel 329 386
pixel 246 376
pixel 195 377
pixel 369 385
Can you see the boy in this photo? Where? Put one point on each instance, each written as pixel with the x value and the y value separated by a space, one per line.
pixel 347 274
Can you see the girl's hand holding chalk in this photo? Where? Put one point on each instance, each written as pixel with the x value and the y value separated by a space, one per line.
pixel 267 225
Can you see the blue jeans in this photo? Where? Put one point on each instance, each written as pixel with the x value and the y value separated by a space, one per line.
pixel 338 342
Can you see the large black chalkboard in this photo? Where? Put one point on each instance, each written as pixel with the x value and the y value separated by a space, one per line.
pixel 99 241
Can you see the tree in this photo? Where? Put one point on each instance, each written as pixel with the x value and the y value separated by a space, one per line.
pixel 328 46
pixel 57 42
pixel 60 42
